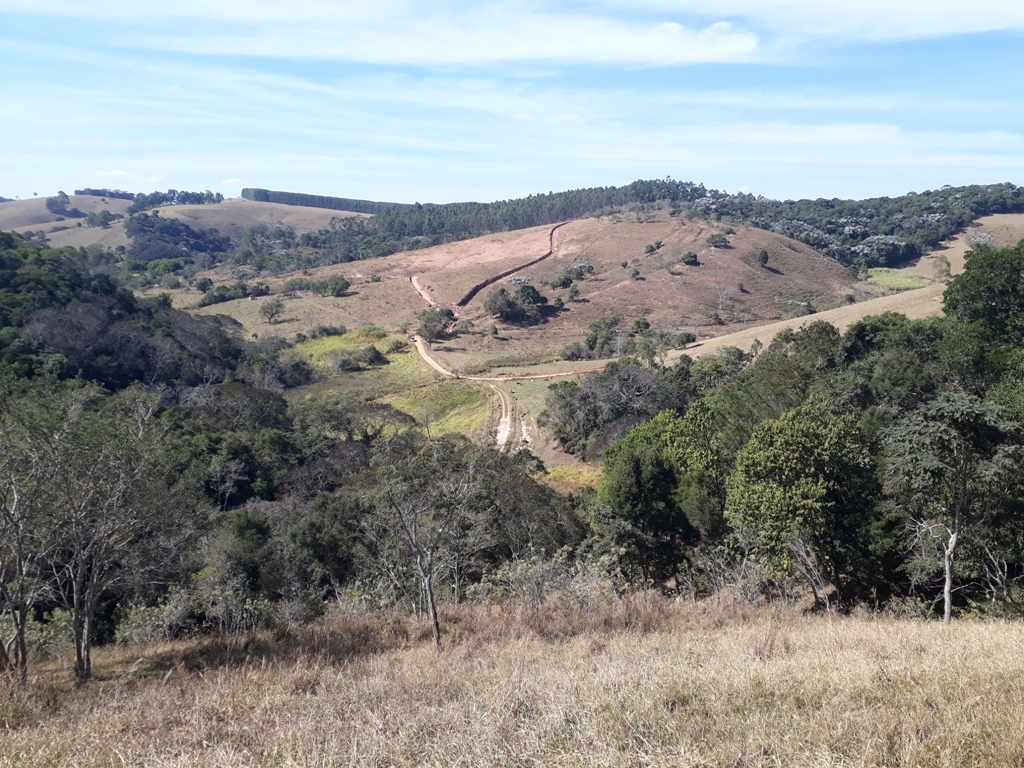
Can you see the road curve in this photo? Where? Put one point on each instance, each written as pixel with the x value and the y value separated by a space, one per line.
pixel 495 278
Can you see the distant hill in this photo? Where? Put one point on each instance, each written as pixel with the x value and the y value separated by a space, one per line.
pixel 269 234
pixel 879 231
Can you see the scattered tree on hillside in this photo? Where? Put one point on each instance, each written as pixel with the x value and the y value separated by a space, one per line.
pixel 434 322
pixel 336 285
pixel 271 309
pixel 524 307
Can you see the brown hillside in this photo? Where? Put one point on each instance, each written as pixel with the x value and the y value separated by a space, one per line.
pixel 728 283
pixel 32 214
pixel 229 218
pixel 235 214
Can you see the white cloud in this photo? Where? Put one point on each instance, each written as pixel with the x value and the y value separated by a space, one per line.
pixel 232 182
pixel 862 19
pixel 155 179
pixel 494 37
pixel 407 33
pixel 117 173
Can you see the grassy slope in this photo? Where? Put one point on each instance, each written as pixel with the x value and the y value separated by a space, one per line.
pixel 32 214
pixel 228 218
pixel 640 682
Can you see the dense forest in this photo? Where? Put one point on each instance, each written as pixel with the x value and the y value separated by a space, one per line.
pixel 155 481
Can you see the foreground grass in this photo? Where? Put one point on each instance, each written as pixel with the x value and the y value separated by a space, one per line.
pixel 641 683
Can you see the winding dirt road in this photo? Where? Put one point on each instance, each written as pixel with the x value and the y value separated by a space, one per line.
pixel 511 430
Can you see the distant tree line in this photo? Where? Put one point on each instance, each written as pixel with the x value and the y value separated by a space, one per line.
pixel 881 231
pixel 865 233
pixel 114 194
pixel 320 201
pixel 144 201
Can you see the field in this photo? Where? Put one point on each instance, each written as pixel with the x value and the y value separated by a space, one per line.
pixel 896 279
pixel 1006 229
pixel 635 682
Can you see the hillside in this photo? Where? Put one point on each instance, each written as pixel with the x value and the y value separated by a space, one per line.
pixel 230 218
pixel 19 214
pixel 727 290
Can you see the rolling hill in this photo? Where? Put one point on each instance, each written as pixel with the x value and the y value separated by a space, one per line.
pixel 229 218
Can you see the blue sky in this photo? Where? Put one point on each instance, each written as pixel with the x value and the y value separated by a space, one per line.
pixel 448 101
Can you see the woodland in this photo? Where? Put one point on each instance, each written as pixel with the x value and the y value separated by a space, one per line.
pixel 157 482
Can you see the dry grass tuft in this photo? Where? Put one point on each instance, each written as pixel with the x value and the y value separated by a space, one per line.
pixel 639 681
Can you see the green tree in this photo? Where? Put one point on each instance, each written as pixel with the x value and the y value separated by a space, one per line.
pixel 271 309
pixel 947 463
pixel 990 292
pixel 803 488
pixel 336 285
pixel 663 485
pixel 434 322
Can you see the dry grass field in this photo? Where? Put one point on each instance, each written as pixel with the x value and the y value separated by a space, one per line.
pixel 32 214
pixel 235 214
pixel 634 682
pixel 1006 229
pixel 229 218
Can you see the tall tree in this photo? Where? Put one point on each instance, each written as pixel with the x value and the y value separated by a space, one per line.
pixel 28 430
pixel 948 462
pixel 114 521
pixel 803 486
pixel 423 493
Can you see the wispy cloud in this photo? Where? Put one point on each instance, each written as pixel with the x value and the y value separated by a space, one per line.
pixel 864 19
pixel 400 33
pixel 441 100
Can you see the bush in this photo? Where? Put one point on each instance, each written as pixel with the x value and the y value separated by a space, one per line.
pixel 564 280
pixel 298 284
pixel 574 351
pixel 322 331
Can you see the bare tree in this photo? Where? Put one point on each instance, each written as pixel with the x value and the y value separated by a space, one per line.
pixel 424 494
pixel 26 481
pixel 111 514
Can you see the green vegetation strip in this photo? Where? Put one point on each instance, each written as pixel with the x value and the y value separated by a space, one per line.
pixel 896 279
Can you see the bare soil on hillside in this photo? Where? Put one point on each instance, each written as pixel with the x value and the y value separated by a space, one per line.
pixel 727 291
